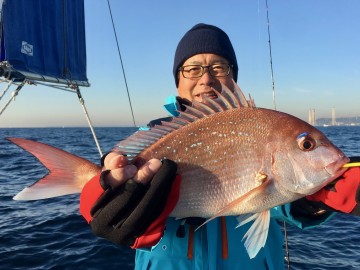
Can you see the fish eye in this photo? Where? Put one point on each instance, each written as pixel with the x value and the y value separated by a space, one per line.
pixel 306 142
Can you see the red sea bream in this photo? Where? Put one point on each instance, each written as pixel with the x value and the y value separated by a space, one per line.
pixel 234 159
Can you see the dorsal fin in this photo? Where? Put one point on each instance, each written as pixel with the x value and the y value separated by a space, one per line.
pixel 227 100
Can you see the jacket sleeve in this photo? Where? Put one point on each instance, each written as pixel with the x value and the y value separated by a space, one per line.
pixel 89 195
pixel 284 213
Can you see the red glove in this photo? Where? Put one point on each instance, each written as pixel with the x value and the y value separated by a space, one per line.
pixel 132 214
pixel 344 195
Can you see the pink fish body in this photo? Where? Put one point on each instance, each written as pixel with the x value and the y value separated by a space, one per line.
pixel 224 155
pixel 234 159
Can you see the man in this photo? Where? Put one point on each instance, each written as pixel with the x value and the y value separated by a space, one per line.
pixel 121 207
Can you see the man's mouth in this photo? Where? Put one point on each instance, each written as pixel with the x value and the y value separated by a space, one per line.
pixel 210 94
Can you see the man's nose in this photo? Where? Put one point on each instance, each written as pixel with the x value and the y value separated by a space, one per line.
pixel 206 77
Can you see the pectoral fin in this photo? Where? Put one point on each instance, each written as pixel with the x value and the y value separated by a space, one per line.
pixel 257 234
pixel 246 198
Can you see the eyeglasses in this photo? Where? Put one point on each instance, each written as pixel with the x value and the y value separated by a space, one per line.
pixel 196 71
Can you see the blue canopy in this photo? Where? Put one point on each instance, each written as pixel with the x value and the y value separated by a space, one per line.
pixel 45 38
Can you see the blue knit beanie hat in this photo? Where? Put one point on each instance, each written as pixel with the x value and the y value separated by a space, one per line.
pixel 204 38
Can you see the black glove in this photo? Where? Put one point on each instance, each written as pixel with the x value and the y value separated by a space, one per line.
pixel 124 213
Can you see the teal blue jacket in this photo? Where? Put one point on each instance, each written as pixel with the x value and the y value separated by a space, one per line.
pixel 171 253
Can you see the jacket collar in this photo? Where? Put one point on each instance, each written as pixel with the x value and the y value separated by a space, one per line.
pixel 174 104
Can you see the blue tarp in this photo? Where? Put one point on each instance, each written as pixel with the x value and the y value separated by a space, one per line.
pixel 45 37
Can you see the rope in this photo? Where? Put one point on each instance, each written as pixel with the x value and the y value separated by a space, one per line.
pixel 13 95
pixel 82 102
pixel 122 66
pixel 6 88
pixel 65 36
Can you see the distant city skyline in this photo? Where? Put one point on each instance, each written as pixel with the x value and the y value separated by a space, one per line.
pixel 333 120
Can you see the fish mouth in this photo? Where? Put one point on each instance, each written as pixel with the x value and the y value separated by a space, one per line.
pixel 335 169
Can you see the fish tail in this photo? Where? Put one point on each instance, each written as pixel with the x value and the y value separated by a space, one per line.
pixel 68 173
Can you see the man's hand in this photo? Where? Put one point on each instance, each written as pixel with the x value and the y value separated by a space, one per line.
pixel 129 203
pixel 120 171
pixel 343 195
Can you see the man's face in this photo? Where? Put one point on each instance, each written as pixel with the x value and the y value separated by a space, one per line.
pixel 192 88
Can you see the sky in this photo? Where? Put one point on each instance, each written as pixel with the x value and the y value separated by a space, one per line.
pixel 315 54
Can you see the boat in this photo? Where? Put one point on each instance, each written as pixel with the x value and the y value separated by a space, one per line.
pixel 32 53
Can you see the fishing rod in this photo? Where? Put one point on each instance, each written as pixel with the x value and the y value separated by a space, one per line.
pixel 287 254
pixel 270 52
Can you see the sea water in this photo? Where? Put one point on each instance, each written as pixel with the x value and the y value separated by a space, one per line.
pixel 51 234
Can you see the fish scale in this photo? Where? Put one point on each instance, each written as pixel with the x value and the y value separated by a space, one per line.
pixel 201 159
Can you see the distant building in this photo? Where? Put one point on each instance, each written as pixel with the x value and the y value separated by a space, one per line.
pixel 333 117
pixel 333 120
pixel 312 119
